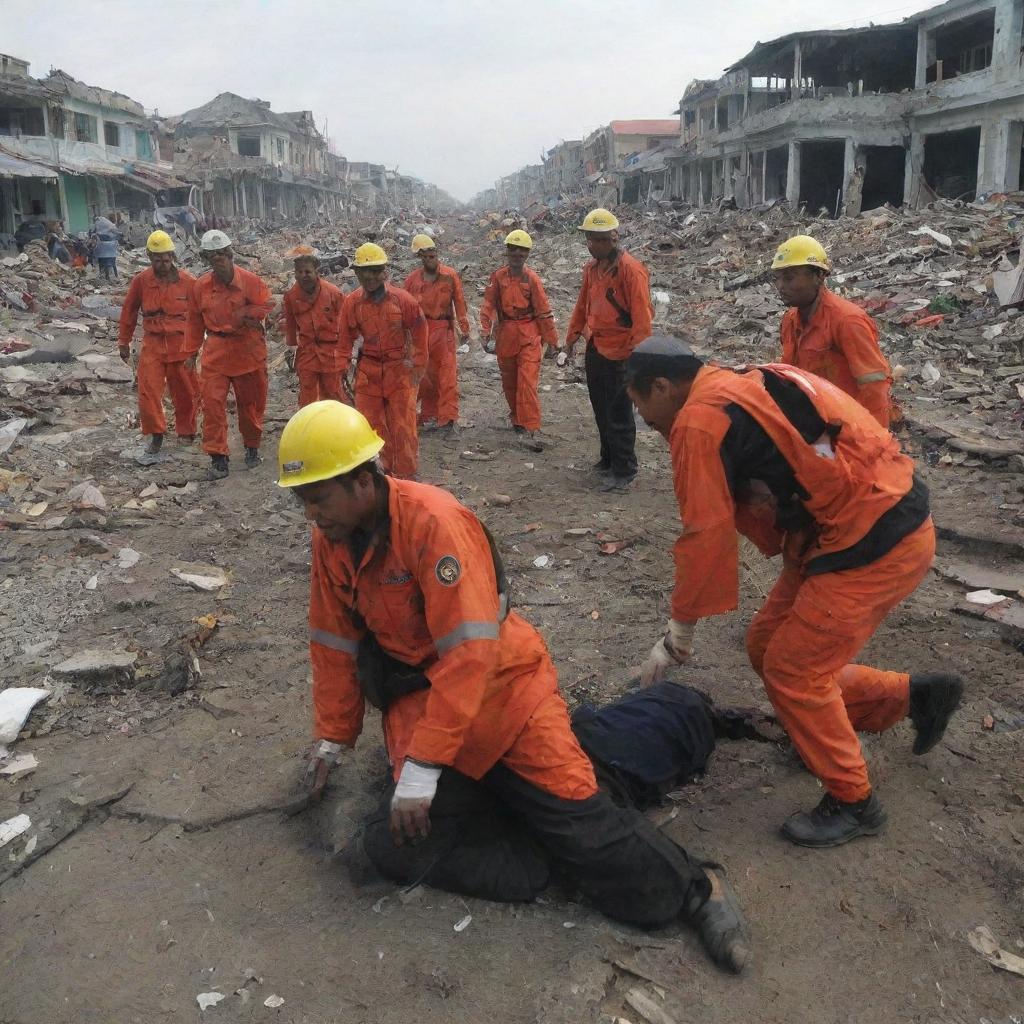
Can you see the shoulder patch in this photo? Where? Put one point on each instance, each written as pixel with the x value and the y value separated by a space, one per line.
pixel 448 571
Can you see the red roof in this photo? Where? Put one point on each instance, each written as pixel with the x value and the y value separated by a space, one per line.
pixel 649 127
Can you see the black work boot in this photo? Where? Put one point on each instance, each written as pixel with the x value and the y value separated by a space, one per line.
pixel 186 439
pixel 252 458
pixel 934 698
pixel 602 467
pixel 446 430
pixel 833 822
pixel 719 922
pixel 155 443
pixel 218 467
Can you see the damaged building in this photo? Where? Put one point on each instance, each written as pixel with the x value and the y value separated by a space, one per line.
pixel 853 119
pixel 71 151
pixel 250 161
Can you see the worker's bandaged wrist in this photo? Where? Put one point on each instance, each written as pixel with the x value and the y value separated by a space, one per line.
pixel 679 639
pixel 416 782
pixel 327 751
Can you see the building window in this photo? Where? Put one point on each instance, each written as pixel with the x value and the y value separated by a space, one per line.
pixel 56 119
pixel 111 135
pixel 143 145
pixel 85 128
pixel 248 145
pixel 280 149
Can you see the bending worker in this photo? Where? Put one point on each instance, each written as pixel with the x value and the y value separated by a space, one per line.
pixel 229 306
pixel 438 289
pixel 614 311
pixel 407 610
pixel 392 358
pixel 851 520
pixel 166 360
pixel 516 306
pixel 830 336
pixel 312 307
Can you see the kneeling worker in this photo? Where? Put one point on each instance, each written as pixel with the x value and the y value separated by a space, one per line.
pixel 406 610
pixel 851 520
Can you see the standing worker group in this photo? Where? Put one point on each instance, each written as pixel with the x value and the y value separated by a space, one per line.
pixel 516 306
pixel 829 336
pixel 613 312
pixel 438 290
pixel 408 610
pixel 168 358
pixel 803 470
pixel 312 308
pixel 392 358
pixel 229 306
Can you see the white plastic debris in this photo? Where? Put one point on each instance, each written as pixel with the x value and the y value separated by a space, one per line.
pixel 660 297
pixel 199 581
pixel 541 561
pixel 92 582
pixel 273 1002
pixel 15 705
pixel 86 495
pixel 127 557
pixel 985 597
pixel 930 374
pixel 14 827
pixel 462 925
pixel 9 432
pixel 937 235
pixel 208 999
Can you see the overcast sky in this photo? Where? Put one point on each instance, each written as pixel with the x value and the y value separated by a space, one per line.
pixel 458 92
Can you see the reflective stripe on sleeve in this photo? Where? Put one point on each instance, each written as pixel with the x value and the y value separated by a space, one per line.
pixel 872 378
pixel 466 631
pixel 332 640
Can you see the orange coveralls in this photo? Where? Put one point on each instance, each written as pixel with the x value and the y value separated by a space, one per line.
pixel 393 354
pixel 426 589
pixel 234 354
pixel 164 307
pixel 443 303
pixel 816 619
pixel 311 325
pixel 524 319
pixel 840 343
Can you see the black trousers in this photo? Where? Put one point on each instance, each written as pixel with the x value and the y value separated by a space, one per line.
pixel 502 838
pixel 613 411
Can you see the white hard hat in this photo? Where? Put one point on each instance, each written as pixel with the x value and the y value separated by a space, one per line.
pixel 214 240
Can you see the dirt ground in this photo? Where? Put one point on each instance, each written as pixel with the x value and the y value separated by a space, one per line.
pixel 168 864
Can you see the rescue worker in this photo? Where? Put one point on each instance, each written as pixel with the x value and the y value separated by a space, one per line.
pixel 408 610
pixel 613 311
pixel 161 294
pixel 392 358
pixel 312 307
pixel 438 289
pixel 827 335
pixel 229 306
pixel 803 470
pixel 516 307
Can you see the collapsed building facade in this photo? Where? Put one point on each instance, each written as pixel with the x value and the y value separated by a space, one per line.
pixel 850 120
pixel 71 151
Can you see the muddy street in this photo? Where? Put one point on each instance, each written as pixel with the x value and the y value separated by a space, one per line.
pixel 170 854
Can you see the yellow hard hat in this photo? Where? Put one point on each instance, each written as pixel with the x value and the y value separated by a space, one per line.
pixel 801 251
pixel 600 220
pixel 160 241
pixel 369 254
pixel 421 242
pixel 520 238
pixel 323 440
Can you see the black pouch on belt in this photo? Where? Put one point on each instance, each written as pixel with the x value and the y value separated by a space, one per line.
pixel 384 679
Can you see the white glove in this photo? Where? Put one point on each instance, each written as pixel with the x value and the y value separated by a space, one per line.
pixel 322 759
pixel 410 806
pixel 672 649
